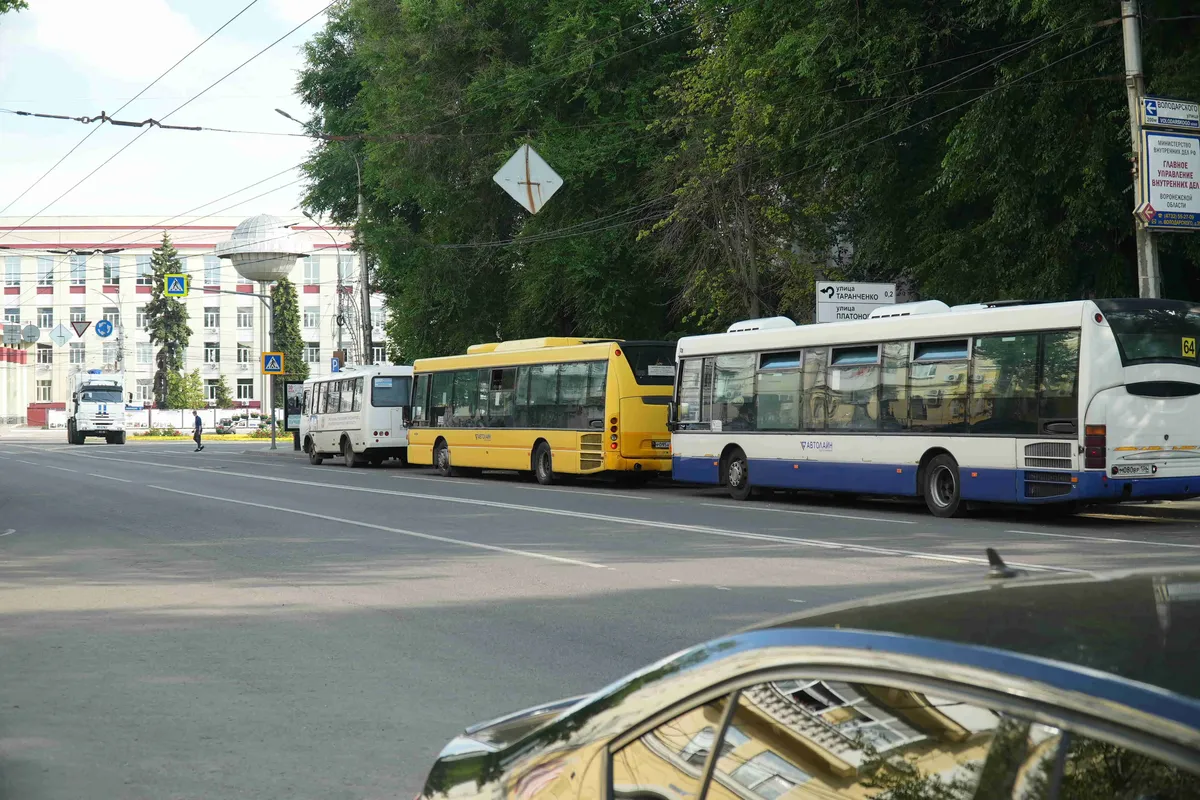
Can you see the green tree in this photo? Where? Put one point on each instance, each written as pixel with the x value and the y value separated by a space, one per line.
pixel 185 390
pixel 287 338
pixel 166 321
pixel 12 5
pixel 224 398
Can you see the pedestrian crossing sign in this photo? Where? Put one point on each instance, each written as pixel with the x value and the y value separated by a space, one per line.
pixel 272 363
pixel 175 285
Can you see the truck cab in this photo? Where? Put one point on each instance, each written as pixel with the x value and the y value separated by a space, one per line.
pixel 97 408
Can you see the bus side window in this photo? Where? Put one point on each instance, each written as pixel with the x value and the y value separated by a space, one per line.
pixel 318 398
pixel 572 390
pixel 502 388
pixel 1004 384
pixel 706 389
pixel 814 388
pixel 359 385
pixel 521 399
pixel 466 384
pixel 733 395
pixel 1059 387
pixel 479 410
pixel 593 404
pixel 687 408
pixel 304 403
pixel 777 393
pixel 441 387
pixel 893 398
pixel 543 397
pixel 420 397
pixel 333 397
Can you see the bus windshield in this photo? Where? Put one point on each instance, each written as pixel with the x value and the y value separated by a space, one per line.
pixel 391 392
pixel 101 394
pixel 1150 331
pixel 653 363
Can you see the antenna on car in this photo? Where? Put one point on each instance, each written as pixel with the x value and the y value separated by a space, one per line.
pixel 997 568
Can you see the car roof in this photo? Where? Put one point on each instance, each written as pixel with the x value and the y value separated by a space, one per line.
pixel 1142 626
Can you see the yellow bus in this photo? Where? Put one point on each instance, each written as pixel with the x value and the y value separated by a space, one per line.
pixel 547 407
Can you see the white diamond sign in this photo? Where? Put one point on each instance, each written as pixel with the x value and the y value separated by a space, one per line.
pixel 528 179
pixel 60 335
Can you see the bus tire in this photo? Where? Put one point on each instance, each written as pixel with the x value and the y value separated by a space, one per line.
pixel 351 458
pixel 441 459
pixel 736 474
pixel 942 486
pixel 314 457
pixel 543 465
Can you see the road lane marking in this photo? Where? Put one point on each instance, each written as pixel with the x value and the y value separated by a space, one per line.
pixel 401 531
pixel 790 600
pixel 627 521
pixel 108 477
pixel 515 485
pixel 9 532
pixel 1108 539
pixel 809 513
pixel 60 469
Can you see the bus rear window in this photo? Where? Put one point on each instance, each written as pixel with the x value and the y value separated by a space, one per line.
pixel 653 363
pixel 1150 331
pixel 389 392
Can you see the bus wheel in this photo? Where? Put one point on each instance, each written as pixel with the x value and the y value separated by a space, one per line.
pixel 737 474
pixel 942 488
pixel 543 465
pixel 441 459
pixel 348 454
pixel 314 457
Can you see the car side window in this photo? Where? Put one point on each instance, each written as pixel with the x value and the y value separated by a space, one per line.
pixel 811 738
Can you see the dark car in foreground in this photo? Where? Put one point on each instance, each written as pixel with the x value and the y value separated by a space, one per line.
pixel 1078 687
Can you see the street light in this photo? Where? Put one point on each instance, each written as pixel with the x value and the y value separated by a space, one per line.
pixel 338 249
pixel 368 354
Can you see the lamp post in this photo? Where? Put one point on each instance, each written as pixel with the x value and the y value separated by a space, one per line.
pixel 368 354
pixel 263 249
pixel 338 249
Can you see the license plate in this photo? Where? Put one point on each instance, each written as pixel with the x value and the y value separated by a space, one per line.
pixel 1132 469
pixel 662 445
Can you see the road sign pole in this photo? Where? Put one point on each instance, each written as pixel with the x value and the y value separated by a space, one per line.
pixel 1149 279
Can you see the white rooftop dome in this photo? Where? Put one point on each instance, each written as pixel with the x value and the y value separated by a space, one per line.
pixel 264 249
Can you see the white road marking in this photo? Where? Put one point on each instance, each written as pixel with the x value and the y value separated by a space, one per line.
pixel 401 531
pixel 722 588
pixel 108 477
pixel 60 469
pixel 757 507
pixel 516 485
pixel 9 532
pixel 628 521
pixel 675 580
pixel 1108 539
pixel 790 600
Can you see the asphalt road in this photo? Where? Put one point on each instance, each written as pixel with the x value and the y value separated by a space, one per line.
pixel 236 623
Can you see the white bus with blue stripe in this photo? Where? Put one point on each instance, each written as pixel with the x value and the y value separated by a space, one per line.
pixel 1076 403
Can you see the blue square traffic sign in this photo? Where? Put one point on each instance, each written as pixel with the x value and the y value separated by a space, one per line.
pixel 272 363
pixel 175 285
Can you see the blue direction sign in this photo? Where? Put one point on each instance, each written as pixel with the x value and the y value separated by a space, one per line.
pixel 272 363
pixel 335 364
pixel 104 329
pixel 175 285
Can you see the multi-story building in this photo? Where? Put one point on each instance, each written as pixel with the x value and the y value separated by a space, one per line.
pixel 67 269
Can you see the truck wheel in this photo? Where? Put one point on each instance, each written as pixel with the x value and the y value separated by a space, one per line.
pixel 70 432
pixel 121 437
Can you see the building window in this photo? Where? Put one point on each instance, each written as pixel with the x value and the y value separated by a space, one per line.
pixel 210 389
pixel 12 271
pixel 378 354
pixel 245 317
pixel 312 316
pixel 345 268
pixel 212 316
pixel 312 270
pixel 243 355
pixel 78 313
pixel 183 263
pixel 45 271
pixel 45 354
pixel 145 390
pixel 78 270
pixel 12 316
pixel 145 353
pixel 245 389
pixel 212 270
pixel 45 318
pixel 212 352
pixel 140 317
pixel 109 353
pixel 78 352
pixel 112 314
pixel 145 272
pixel 312 352
pixel 112 269
pixel 43 391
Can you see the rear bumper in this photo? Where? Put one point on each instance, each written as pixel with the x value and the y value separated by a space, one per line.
pixel 1097 485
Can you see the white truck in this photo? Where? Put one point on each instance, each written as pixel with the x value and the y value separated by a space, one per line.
pixel 97 407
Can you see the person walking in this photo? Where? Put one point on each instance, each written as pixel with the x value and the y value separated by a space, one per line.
pixel 199 427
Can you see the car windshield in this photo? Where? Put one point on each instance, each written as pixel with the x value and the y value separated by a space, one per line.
pixel 1150 331
pixel 109 394
pixel 653 363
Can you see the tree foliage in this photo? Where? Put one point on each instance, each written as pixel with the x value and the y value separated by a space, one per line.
pixel 287 338
pixel 185 390
pixel 166 321
pixel 720 155
pixel 12 5
pixel 224 398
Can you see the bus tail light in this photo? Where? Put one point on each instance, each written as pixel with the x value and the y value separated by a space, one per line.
pixel 1095 446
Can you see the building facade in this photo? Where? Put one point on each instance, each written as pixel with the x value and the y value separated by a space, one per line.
pixel 76 269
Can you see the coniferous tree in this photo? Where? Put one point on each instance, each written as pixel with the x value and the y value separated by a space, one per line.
pixel 166 321
pixel 224 398
pixel 287 336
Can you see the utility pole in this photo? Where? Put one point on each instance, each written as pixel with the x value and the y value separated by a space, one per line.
pixel 368 355
pixel 1149 278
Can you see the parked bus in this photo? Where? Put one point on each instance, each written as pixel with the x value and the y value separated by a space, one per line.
pixel 1069 403
pixel 360 414
pixel 549 407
